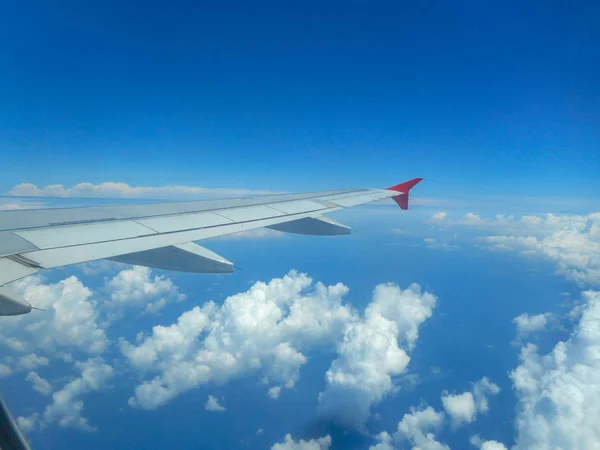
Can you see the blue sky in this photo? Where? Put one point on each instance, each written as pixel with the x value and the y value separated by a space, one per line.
pixel 494 105
pixel 501 98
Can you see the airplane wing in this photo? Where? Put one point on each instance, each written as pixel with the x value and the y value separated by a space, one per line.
pixel 162 235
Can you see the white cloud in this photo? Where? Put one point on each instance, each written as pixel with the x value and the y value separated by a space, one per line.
pixel 5 370
pixel 461 408
pixel 66 408
pixel 527 324
pixel 370 354
pixel 32 361
pixel 28 424
pixel 385 442
pixel 573 242
pixel 274 392
pixel 438 216
pixel 263 330
pixel 212 404
pixel 114 189
pixel 558 392
pixel 314 444
pixel 434 244
pixel 38 383
pixel 69 322
pixel 464 408
pixel 419 427
pixel 136 286
pixel 486 445
pixel 259 431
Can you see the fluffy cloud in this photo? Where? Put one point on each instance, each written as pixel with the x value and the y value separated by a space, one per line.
pixel 274 392
pixel 438 216
pixel 67 407
pixel 527 324
pixel 558 392
pixel 69 322
pixel 111 189
pixel 573 242
pixel 263 330
pixel 385 442
pixel 486 445
pixel 136 286
pixel 373 351
pixel 212 404
pixel 419 428
pixel 314 444
pixel 32 361
pixel 463 408
pixel 38 383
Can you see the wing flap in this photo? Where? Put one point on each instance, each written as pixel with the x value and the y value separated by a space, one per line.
pixel 315 226
pixel 187 257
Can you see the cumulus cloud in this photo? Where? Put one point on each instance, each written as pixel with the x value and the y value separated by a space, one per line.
pixel 572 241
pixel 274 392
pixel 419 427
pixel 263 330
pixel 558 392
pixel 486 445
pixel 212 404
pixel 67 407
pixel 373 351
pixel 289 443
pixel 385 442
pixel 464 408
pixel 136 286
pixel 69 322
pixel 438 216
pixel 38 383
pixel 115 189
pixel 527 324
pixel 32 361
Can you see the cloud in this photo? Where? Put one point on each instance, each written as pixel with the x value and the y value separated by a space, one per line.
pixel 460 407
pixel 69 322
pixel 259 431
pixel 123 190
pixel 527 324
pixel 212 404
pixel 136 286
pixel 32 361
pixel 5 370
pixel 28 424
pixel 486 445
pixel 38 383
pixel 314 444
pixel 464 408
pixel 438 216
pixel 373 351
pixel 419 428
pixel 67 407
pixel 273 392
pixel 558 392
pixel 263 330
pixel 434 244
pixel 385 442
pixel 572 241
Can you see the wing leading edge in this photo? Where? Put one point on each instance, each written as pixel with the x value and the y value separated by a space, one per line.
pixel 162 235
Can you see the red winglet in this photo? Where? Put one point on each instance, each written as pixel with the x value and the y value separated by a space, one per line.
pixel 403 189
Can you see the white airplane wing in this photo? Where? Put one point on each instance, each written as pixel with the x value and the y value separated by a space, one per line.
pixel 161 235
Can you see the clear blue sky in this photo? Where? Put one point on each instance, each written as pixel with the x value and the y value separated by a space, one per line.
pixel 501 98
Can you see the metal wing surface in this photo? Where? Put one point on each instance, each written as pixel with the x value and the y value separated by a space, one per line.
pixel 161 235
